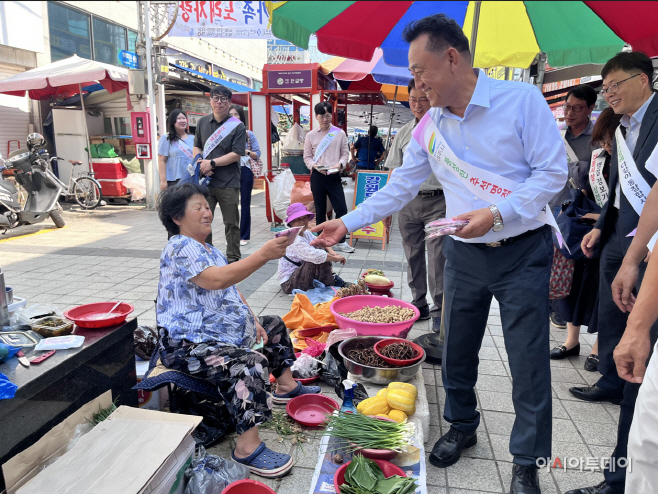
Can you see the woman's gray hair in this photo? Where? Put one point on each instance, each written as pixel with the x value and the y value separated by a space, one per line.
pixel 172 203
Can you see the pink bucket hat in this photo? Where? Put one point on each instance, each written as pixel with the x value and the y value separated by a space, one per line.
pixel 296 210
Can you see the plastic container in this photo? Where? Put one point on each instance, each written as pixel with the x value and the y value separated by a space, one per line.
pixel 348 400
pixel 381 344
pixel 50 326
pixel 381 290
pixel 311 410
pixel 84 315
pixel 387 468
pixel 356 302
pixel 247 486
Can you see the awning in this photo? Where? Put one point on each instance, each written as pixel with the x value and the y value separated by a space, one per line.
pixel 238 88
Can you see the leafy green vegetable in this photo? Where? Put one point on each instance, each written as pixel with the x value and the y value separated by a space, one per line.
pixel 361 473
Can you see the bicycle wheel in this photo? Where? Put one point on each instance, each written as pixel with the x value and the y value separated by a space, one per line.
pixel 87 192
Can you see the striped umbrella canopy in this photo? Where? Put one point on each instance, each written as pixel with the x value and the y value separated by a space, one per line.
pixel 507 33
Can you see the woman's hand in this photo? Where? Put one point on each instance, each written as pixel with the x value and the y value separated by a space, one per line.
pixel 163 184
pixel 591 216
pixel 260 334
pixel 333 257
pixel 275 248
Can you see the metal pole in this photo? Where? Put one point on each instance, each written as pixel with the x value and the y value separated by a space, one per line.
pixel 474 28
pixel 369 138
pixel 84 115
pixel 390 123
pixel 152 176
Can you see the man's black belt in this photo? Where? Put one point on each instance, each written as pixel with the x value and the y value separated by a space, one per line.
pixel 511 240
pixel 430 193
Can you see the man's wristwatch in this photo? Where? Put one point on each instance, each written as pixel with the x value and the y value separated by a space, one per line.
pixel 212 164
pixel 498 219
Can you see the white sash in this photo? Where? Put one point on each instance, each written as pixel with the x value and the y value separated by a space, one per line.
pixel 184 148
pixel 571 155
pixel 484 184
pixel 596 179
pixel 633 185
pixel 219 135
pixel 322 147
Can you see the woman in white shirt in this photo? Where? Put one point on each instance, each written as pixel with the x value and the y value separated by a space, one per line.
pixel 302 263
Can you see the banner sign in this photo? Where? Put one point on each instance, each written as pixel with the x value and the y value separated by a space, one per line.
pixel 367 183
pixel 222 20
pixel 290 79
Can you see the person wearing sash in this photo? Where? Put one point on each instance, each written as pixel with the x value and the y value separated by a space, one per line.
pixel 221 141
pixel 427 206
pixel 627 86
pixel 246 176
pixel 577 136
pixel 496 150
pixel 174 150
pixel 325 154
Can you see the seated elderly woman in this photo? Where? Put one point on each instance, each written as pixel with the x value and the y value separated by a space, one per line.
pixel 303 263
pixel 207 329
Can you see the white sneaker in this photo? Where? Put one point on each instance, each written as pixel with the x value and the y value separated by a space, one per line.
pixel 344 247
pixel 244 242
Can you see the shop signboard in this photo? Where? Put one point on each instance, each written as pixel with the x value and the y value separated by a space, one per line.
pixel 129 59
pixel 227 75
pixel 367 184
pixel 290 79
pixel 190 62
pixel 222 20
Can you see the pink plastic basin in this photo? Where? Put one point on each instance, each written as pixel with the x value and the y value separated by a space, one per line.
pixel 311 410
pixel 247 486
pixel 356 302
pixel 388 469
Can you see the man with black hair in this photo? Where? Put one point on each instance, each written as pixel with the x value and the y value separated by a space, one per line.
pixel 428 205
pixel 325 154
pixel 221 140
pixel 496 150
pixel 628 89
pixel 369 150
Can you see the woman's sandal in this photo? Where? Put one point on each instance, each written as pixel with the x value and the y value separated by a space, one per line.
pixel 592 363
pixel 265 462
pixel 299 390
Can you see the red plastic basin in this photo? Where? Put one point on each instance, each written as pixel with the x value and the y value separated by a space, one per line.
pixel 387 468
pixel 83 315
pixel 356 302
pixel 311 410
pixel 247 486
pixel 381 344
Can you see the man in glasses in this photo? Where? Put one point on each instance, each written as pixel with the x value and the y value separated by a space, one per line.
pixel 628 89
pixel 221 140
pixel 578 142
pixel 428 205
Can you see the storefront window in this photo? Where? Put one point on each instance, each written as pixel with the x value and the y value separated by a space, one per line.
pixel 109 40
pixel 132 41
pixel 69 32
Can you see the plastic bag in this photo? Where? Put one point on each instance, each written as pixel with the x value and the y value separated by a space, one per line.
pixel 338 335
pixel 146 339
pixel 217 421
pixel 444 226
pixel 318 294
pixel 25 315
pixel 304 367
pixel 7 388
pixel 280 193
pixel 210 474
pixel 333 372
pixel 136 182
pixel 80 430
pixel 60 343
pixel 132 166
pixel 295 138
pixel 301 192
pixel 7 351
pixel 314 348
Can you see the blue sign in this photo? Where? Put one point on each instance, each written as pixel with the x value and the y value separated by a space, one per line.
pixel 129 59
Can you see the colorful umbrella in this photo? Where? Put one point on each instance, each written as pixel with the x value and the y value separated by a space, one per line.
pixel 508 33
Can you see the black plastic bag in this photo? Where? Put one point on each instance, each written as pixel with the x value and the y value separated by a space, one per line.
pixel 360 393
pixel 210 474
pixel 334 371
pixel 217 421
pixel 146 339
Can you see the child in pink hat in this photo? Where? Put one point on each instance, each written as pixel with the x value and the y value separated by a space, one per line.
pixel 303 263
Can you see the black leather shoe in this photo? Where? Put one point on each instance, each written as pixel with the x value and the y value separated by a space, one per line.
pixel 601 488
pixel 424 313
pixel 560 352
pixel 592 363
pixel 557 321
pixel 448 449
pixel 524 480
pixel 594 393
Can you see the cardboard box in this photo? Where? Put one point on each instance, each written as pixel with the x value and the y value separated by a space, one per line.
pixel 130 148
pixel 259 183
pixel 118 144
pixel 149 400
pixel 96 140
pixel 134 451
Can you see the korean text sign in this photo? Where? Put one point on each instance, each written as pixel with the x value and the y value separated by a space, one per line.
pixel 367 183
pixel 222 20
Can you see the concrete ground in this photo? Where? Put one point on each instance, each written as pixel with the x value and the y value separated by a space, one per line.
pixel 113 253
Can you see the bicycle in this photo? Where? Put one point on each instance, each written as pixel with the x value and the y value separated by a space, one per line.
pixel 84 188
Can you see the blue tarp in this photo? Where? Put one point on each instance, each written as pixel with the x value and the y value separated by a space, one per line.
pixel 238 88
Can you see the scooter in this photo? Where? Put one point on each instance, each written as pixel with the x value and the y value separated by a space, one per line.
pixel 30 172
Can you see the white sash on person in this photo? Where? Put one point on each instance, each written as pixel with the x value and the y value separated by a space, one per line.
pixel 596 179
pixel 322 147
pixel 219 135
pixel 484 184
pixel 571 155
pixel 184 148
pixel 633 185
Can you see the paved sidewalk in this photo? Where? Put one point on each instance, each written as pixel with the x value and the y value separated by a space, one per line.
pixel 112 254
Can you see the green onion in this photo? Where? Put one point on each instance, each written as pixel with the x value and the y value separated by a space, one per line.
pixel 364 432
